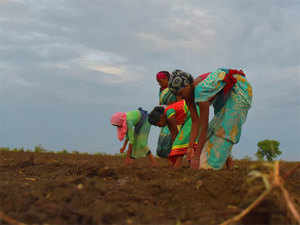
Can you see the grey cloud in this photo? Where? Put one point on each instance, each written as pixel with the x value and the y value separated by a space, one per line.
pixel 100 54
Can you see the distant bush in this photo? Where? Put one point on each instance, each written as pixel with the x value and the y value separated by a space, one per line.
pixel 13 149
pixel 39 149
pixel 100 153
pixel 17 150
pixel 64 151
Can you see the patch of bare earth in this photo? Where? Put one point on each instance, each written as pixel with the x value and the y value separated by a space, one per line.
pixel 47 188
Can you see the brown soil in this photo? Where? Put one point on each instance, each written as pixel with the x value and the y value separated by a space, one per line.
pixel 48 188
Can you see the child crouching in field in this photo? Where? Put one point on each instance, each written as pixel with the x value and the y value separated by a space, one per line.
pixel 135 128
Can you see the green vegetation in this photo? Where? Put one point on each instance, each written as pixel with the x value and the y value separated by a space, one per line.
pixel 100 153
pixel 39 149
pixel 64 151
pixel 4 149
pixel 268 149
pixel 14 149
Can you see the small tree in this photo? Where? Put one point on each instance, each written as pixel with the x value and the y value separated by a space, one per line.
pixel 268 149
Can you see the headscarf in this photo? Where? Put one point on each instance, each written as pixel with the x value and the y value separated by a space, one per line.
pixel 178 80
pixel 119 119
pixel 162 75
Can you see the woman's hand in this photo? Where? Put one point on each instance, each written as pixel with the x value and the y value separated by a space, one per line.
pixel 122 149
pixel 190 153
pixel 193 155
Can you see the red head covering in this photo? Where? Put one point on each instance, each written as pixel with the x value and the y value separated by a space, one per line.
pixel 161 75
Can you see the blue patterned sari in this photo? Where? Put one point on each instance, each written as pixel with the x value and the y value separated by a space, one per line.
pixel 230 113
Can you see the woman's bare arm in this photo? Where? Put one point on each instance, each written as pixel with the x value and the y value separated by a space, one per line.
pixel 129 150
pixel 124 146
pixel 173 128
pixel 195 122
pixel 203 122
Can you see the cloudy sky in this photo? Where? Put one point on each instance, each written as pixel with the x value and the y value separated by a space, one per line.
pixel 67 65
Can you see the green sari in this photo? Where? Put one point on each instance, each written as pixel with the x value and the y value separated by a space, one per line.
pixel 181 142
pixel 138 139
pixel 164 144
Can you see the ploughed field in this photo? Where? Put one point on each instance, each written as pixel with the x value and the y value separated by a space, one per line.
pixel 48 188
